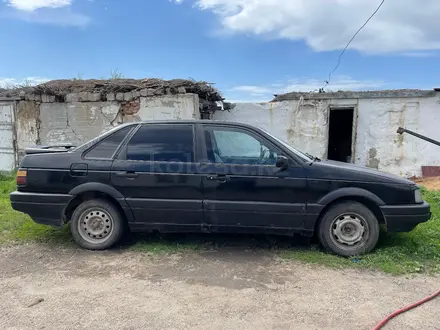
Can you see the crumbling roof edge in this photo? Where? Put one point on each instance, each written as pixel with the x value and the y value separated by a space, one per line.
pixel 9 98
pixel 398 93
pixel 63 90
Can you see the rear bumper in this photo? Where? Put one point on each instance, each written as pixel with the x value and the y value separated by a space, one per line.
pixel 404 218
pixel 46 209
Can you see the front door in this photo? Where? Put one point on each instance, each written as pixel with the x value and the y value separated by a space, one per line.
pixel 157 174
pixel 243 188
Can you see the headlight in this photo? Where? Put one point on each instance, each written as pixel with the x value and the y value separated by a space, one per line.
pixel 418 196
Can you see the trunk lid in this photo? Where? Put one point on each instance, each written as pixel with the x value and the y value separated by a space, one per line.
pixel 48 149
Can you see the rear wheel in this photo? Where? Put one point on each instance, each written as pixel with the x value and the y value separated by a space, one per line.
pixel 349 229
pixel 97 224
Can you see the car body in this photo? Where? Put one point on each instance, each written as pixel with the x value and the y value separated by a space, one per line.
pixel 209 176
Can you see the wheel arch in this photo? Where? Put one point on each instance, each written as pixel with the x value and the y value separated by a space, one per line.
pixel 350 192
pixel 96 186
pixel 365 197
pixel 95 190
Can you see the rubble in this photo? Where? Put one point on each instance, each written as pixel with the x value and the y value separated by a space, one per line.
pixel 322 95
pixel 94 90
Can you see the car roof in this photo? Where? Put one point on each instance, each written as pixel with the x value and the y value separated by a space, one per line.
pixel 194 121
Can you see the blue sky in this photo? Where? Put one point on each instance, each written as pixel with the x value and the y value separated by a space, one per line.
pixel 251 49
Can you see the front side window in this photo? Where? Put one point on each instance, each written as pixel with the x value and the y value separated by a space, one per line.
pixel 106 148
pixel 235 146
pixel 162 143
pixel 304 157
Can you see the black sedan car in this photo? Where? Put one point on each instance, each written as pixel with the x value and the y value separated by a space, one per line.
pixel 214 177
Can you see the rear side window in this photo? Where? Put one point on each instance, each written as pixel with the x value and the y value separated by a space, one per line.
pixel 162 143
pixel 106 148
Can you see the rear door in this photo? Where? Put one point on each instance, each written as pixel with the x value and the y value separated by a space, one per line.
pixel 243 188
pixel 157 174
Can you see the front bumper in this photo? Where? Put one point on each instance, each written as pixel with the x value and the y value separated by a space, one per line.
pixel 46 209
pixel 404 218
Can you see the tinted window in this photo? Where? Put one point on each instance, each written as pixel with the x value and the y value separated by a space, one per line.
pixel 107 147
pixel 234 146
pixel 162 143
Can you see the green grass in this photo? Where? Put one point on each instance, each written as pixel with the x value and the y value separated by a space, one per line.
pixel 414 252
pixel 16 227
pixel 157 244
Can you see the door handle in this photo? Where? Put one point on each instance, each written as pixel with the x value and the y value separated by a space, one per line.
pixel 128 175
pixel 218 178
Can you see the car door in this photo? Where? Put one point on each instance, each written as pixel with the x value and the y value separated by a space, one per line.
pixel 158 176
pixel 243 189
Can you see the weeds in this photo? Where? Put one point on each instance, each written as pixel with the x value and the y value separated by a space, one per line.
pixel 414 252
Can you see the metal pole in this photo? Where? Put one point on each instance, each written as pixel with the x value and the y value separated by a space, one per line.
pixel 404 130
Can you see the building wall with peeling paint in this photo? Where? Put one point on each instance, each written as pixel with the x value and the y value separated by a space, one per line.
pixel 7 135
pixel 55 123
pixel 27 125
pixel 78 122
pixel 75 123
pixel 305 125
pixel 305 128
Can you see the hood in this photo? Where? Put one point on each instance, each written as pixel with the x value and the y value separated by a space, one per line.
pixel 328 169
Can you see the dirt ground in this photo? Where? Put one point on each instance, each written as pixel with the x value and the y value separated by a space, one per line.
pixel 429 183
pixel 224 289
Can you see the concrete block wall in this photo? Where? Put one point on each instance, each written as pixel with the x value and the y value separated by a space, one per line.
pixel 76 122
pixel 302 123
pixel 305 125
pixel 304 128
pixel 7 135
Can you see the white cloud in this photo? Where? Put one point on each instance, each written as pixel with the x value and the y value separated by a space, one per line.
pixel 399 26
pixel 16 82
pixel 256 90
pixel 31 5
pixel 60 17
pixel 51 12
pixel 264 93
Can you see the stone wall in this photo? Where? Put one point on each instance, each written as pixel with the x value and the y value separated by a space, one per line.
pixel 7 135
pixel 304 127
pixel 55 123
pixel 304 124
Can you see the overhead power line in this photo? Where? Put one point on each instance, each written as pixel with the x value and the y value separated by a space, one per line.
pixel 327 82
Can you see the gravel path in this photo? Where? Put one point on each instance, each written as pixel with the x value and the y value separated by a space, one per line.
pixel 226 289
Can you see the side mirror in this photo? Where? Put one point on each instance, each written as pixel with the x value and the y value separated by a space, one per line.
pixel 282 162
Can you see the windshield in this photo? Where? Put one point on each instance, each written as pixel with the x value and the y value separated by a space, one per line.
pixel 300 154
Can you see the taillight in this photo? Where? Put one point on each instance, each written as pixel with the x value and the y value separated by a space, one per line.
pixel 21 177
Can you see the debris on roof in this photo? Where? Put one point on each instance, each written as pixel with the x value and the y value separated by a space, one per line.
pixel 59 89
pixel 393 93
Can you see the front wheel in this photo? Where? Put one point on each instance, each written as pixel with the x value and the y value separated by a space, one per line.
pixel 97 224
pixel 349 229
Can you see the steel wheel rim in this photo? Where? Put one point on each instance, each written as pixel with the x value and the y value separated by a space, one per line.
pixel 349 231
pixel 95 225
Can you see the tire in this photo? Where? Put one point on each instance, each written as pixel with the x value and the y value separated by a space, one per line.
pixel 97 224
pixel 348 229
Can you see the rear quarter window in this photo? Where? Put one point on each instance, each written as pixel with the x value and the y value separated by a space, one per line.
pixel 106 148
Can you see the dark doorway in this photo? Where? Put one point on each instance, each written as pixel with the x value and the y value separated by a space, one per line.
pixel 340 135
